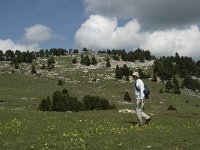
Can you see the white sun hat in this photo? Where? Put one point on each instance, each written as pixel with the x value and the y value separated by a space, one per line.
pixel 136 74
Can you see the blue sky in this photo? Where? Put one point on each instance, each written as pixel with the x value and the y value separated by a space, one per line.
pixel 162 26
pixel 64 17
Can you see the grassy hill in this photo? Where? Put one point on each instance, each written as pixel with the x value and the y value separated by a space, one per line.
pixel 22 126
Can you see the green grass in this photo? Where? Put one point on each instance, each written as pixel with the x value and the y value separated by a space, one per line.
pixel 96 130
pixel 22 126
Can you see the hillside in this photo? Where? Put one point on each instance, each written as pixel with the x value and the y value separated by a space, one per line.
pixel 22 126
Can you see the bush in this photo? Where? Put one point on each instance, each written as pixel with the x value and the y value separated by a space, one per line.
pixel 161 91
pixel 16 65
pixel 73 104
pixel 172 87
pixel 60 82
pixel 94 61
pixel 64 91
pixel 45 105
pixel 108 63
pixel 43 66
pixel 33 70
pixel 168 86
pixel 48 103
pixel 191 83
pixel 127 97
pixel 50 62
pixel 154 78
pixel 177 91
pixel 94 102
pixel 74 61
pixel 58 103
pixel 171 108
pixel 85 60
pixel 63 102
pixel 143 75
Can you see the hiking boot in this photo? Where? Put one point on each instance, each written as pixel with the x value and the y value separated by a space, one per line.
pixel 147 121
pixel 138 125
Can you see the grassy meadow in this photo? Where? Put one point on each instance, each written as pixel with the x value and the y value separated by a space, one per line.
pixel 23 127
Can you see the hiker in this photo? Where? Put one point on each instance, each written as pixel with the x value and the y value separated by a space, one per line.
pixel 139 95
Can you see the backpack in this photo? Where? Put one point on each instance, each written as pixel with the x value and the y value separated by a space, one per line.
pixel 146 91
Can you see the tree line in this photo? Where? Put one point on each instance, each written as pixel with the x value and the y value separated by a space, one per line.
pixel 132 56
pixel 27 57
pixel 167 67
pixel 183 67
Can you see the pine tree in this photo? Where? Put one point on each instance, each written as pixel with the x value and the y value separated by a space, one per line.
pixel 94 61
pixel 161 90
pixel 51 62
pixel 154 79
pixel 47 53
pixel 74 104
pixel 33 70
pixel 190 83
pixel 60 82
pixel 48 103
pixel 168 86
pixel 74 61
pixel 43 66
pixel 87 60
pixel 16 65
pixel 18 55
pixel 116 57
pixel 176 89
pixel 175 81
pixel 198 68
pixel 43 105
pixel 104 104
pixel 94 102
pixel 67 102
pixel 82 59
pixel 176 86
pixel 9 54
pixel 127 97
pixel 142 74
pixel 58 103
pixel 64 91
pixel 118 73
pixel 108 63
pixel 88 103
pixel 125 70
pixel 27 57
pixel 1 55
pixel 41 53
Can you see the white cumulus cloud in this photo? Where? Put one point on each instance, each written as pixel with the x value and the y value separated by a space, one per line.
pixel 9 44
pixel 184 41
pixel 100 32
pixel 32 38
pixel 37 33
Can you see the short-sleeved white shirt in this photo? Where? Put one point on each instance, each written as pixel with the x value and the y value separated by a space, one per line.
pixel 139 89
